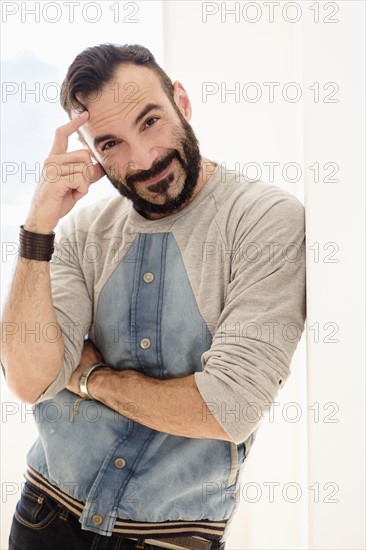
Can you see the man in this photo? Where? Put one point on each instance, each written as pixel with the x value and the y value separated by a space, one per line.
pixel 190 286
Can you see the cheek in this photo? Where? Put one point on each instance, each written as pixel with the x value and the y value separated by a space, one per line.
pixel 113 169
pixel 165 134
pixel 115 165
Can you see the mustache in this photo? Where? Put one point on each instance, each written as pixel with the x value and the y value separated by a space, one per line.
pixel 144 175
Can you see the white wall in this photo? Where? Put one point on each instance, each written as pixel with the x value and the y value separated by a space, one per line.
pixel 335 214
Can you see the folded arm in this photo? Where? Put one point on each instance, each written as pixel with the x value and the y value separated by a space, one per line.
pixel 172 406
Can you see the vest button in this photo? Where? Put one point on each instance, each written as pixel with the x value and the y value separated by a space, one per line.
pixel 145 343
pixel 148 277
pixel 97 519
pixel 120 462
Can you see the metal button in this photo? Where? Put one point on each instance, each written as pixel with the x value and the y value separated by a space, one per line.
pixel 120 462
pixel 97 519
pixel 145 343
pixel 148 277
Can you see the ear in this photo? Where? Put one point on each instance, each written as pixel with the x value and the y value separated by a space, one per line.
pixel 182 100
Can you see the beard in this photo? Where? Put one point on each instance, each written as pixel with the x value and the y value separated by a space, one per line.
pixel 190 165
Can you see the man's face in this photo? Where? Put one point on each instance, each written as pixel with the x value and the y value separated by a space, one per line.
pixel 145 145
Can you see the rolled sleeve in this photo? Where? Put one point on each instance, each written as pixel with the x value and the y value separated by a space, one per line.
pixel 261 323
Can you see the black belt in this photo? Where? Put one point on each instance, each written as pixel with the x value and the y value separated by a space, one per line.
pixel 189 543
pixel 179 543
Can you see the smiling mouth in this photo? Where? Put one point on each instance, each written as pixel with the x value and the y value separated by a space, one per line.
pixel 159 177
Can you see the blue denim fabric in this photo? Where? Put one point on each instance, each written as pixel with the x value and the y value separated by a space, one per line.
pixel 165 477
pixel 40 523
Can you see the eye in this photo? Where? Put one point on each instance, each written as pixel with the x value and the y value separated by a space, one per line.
pixel 108 145
pixel 151 121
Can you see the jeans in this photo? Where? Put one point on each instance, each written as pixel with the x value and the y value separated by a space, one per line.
pixel 41 523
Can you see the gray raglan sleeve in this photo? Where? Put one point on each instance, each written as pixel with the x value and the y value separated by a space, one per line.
pixel 71 300
pixel 261 323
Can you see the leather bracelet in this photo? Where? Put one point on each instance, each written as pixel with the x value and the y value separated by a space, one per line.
pixel 83 380
pixel 36 246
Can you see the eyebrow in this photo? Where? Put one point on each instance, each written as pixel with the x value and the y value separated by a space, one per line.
pixel 149 107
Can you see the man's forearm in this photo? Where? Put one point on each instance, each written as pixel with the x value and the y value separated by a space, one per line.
pixel 32 346
pixel 173 406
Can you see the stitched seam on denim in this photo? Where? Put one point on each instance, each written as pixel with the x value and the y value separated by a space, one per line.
pixel 133 470
pixel 234 464
pixel 134 297
pixel 42 524
pixel 160 301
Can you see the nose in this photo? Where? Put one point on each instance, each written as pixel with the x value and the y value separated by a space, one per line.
pixel 142 155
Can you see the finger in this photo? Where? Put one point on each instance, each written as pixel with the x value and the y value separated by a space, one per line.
pixel 53 172
pixel 88 173
pixel 80 190
pixel 63 133
pixel 94 172
pixel 74 182
pixel 75 168
pixel 80 155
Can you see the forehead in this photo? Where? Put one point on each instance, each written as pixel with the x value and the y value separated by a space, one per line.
pixel 123 97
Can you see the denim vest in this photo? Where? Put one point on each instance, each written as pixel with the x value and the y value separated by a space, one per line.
pixel 118 467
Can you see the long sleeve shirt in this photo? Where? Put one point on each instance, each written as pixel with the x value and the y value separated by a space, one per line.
pixel 216 290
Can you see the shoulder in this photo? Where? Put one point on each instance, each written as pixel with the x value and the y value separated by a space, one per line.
pixel 249 204
pixel 97 217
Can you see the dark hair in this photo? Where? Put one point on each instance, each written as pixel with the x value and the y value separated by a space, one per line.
pixel 96 66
